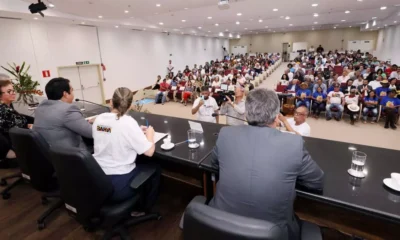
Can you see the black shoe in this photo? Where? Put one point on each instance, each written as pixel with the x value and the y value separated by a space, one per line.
pixel 328 118
pixel 393 127
pixel 386 126
pixel 352 122
pixel 337 119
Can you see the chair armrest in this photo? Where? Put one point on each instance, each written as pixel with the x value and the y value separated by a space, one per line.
pixel 310 231
pixel 145 174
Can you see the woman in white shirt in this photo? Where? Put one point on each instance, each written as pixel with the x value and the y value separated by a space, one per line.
pixel 118 139
pixel 216 82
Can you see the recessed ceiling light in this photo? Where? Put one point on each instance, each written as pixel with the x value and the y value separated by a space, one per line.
pixel 100 16
pixel 126 11
pixel 161 23
pixel 216 24
pixel 260 20
pixel 395 22
pixel 237 22
pixel 385 25
pixel 290 24
pixel 373 17
pixel 245 28
pixel 343 20
pixel 383 8
pixel 315 22
pixel 35 18
pixel 316 15
pixel 274 31
pixel 183 20
pixel 275 9
pixel 209 17
pixel 117 26
pixel 239 14
pixel 347 12
pixel 287 18
pixel 51 5
pixel 209 31
pixel 221 34
pixel 313 29
pixel 158 5
pixel 349 26
pixel 314 5
pixel 266 26
pixel 144 29
pixel 334 27
pixel 199 27
pixel 82 22
pixel 359 0
pixel 186 8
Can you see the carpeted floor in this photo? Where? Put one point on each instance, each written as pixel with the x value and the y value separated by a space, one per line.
pixel 360 133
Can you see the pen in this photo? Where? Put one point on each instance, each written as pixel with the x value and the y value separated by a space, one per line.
pixel 147 123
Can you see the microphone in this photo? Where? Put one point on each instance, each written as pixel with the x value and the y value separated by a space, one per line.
pixel 217 114
pixel 81 100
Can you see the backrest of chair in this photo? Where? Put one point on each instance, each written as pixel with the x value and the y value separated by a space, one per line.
pixel 32 152
pixel 204 222
pixel 83 184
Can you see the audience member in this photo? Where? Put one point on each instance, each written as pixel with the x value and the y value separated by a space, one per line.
pixel 303 96
pixel 344 78
pixel 364 88
pixel 170 67
pixel 359 81
pixel 205 106
pixel 235 108
pixel 349 86
pixel 376 83
pixel 282 167
pixel 297 124
pixel 394 73
pixel 321 85
pixel 118 139
pixel 370 106
pixel 58 120
pixel 162 93
pixel 284 80
pixel 187 92
pixel 352 105
pixel 382 91
pixel 391 106
pixel 335 101
pixel 293 86
pixel 319 102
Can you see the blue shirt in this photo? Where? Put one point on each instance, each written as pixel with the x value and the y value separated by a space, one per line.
pixel 381 91
pixel 371 99
pixel 173 83
pixel 305 92
pixel 387 101
pixel 317 94
pixel 323 86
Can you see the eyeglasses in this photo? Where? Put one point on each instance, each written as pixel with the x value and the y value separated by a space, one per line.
pixel 299 114
pixel 9 91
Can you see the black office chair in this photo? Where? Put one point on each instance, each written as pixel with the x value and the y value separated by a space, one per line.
pixel 86 190
pixel 4 148
pixel 33 159
pixel 204 222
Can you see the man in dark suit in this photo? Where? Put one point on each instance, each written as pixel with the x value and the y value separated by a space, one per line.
pixel 58 120
pixel 259 166
pixel 364 89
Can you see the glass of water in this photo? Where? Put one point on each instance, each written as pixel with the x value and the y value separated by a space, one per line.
pixel 192 139
pixel 357 163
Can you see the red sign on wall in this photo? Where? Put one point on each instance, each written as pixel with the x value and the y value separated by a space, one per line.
pixel 46 73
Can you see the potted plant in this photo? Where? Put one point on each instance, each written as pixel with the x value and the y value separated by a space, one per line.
pixel 25 87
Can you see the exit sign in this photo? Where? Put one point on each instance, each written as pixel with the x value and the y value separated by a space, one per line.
pixel 82 63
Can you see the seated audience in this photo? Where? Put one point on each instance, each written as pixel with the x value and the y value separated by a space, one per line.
pixel 394 73
pixel 349 86
pixel 381 73
pixel 58 120
pixel 297 124
pixel 352 101
pixel 235 107
pixel 205 106
pixel 187 92
pixel 370 106
pixel 383 90
pixel 321 85
pixel 162 93
pixel 393 85
pixel 359 81
pixel 216 83
pixel 157 84
pixel 319 102
pixel 284 80
pixel 293 86
pixel 390 106
pixel 9 118
pixel 376 83
pixel 364 88
pixel 344 78
pixel 303 96
pixel 118 139
pixel 335 101
pixel 281 167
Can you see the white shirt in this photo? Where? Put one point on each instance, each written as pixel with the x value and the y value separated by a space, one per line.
pixel 284 82
pixel 375 84
pixel 290 75
pixel 394 74
pixel 117 143
pixel 357 82
pixel 215 84
pixel 349 100
pixel 342 79
pixel 304 129
pixel 170 67
pixel 206 110
pixel 336 97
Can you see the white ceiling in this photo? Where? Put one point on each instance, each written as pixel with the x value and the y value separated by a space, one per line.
pixel 145 15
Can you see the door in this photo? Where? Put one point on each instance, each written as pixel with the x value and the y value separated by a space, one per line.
pixel 285 47
pixel 72 74
pixel 91 86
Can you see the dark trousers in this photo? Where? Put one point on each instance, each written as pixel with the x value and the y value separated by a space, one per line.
pixel 351 113
pixel 390 116
pixel 123 191
pixel 317 107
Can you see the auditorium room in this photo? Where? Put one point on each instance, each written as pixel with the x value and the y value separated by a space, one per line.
pixel 200 119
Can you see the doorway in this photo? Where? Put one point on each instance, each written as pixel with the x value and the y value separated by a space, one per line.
pixel 285 53
pixel 86 81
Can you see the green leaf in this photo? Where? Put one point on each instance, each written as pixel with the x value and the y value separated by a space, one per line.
pixel 10 72
pixel 22 67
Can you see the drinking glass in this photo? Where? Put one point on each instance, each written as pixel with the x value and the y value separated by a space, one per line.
pixel 192 139
pixel 357 164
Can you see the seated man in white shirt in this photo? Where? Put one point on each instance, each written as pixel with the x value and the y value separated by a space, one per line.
pixel 205 106
pixel 376 83
pixel 394 73
pixel 351 99
pixel 118 139
pixel 344 77
pixel 297 124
